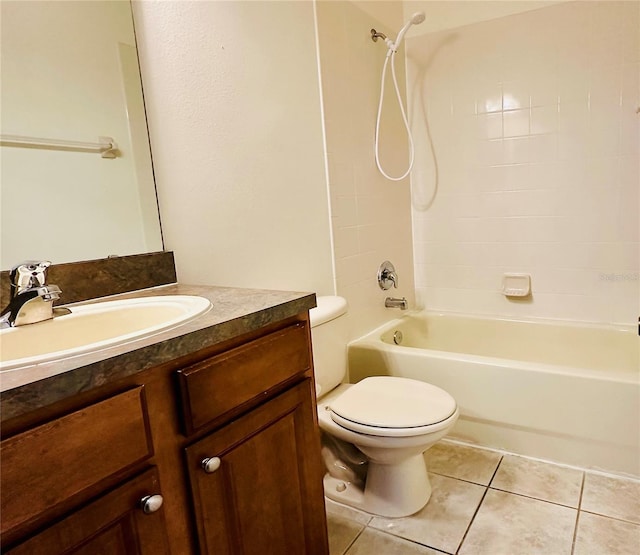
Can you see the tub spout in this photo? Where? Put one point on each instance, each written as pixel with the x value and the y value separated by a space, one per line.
pixel 392 302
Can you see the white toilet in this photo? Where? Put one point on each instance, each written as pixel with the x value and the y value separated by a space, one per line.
pixel 391 420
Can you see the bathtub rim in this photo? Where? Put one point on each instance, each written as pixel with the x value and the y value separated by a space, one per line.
pixel 615 326
pixel 373 339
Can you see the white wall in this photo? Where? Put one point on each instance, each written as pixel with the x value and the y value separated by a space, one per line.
pixel 448 14
pixel 370 215
pixel 68 73
pixel 233 104
pixel 534 125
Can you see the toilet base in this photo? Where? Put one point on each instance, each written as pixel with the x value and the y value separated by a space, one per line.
pixel 394 490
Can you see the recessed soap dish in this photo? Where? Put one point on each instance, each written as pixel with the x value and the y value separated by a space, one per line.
pixel 516 285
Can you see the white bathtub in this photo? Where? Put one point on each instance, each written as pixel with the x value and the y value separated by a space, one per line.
pixel 569 393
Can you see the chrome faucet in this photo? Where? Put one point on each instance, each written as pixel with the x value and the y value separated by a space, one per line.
pixel 387 276
pixel 31 299
pixel 392 302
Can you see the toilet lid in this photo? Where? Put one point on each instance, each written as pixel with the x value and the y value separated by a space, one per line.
pixel 390 402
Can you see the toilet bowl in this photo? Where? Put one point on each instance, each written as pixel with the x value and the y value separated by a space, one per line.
pixel 397 483
pixel 392 421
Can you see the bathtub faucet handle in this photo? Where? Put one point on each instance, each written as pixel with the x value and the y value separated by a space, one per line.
pixel 387 276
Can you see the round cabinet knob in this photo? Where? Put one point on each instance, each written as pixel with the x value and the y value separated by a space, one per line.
pixel 210 464
pixel 151 503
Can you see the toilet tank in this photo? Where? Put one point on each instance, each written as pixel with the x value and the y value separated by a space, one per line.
pixel 329 337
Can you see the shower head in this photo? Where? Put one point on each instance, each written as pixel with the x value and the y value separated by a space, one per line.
pixel 415 19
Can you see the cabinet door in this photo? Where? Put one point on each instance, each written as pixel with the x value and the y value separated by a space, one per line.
pixel 260 489
pixel 46 468
pixel 114 524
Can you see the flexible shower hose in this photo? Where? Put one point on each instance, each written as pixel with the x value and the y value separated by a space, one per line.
pixel 391 54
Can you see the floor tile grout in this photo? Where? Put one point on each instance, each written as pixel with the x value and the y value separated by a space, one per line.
pixel 617 518
pixel 345 552
pixel 410 541
pixel 460 479
pixel 495 471
pixel 575 528
pixel 534 498
pixel 503 453
pixel 464 536
pixel 473 517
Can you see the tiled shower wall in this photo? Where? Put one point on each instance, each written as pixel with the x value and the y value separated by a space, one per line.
pixel 370 215
pixel 533 119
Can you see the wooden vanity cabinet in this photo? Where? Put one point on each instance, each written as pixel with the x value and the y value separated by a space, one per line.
pixel 66 462
pixel 114 524
pixel 230 433
pixel 256 482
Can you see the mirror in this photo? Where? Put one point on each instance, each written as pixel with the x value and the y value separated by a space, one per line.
pixel 70 75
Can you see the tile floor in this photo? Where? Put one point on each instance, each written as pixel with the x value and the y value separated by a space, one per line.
pixel 491 503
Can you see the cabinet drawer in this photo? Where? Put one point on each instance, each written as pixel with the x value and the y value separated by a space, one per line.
pixel 51 463
pixel 114 523
pixel 222 383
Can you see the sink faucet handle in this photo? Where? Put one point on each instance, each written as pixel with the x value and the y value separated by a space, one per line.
pixel 28 274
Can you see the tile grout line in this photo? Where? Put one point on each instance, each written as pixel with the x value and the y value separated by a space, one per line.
pixel 355 539
pixel 495 472
pixel 466 532
pixel 408 540
pixel 575 528
pixel 534 498
pixel 616 518
pixel 466 481
pixel 502 452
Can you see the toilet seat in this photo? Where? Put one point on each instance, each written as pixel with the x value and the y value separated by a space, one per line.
pixel 393 407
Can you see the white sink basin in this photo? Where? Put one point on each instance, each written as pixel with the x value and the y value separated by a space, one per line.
pixel 95 326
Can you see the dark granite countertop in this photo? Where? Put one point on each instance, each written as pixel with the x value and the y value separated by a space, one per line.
pixel 234 312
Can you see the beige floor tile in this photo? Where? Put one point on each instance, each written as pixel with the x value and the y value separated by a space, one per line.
pixel 342 532
pixel 444 520
pixel 463 462
pixel 545 481
pixel 337 509
pixel 511 524
pixel 372 542
pixel 609 496
pixel 598 535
